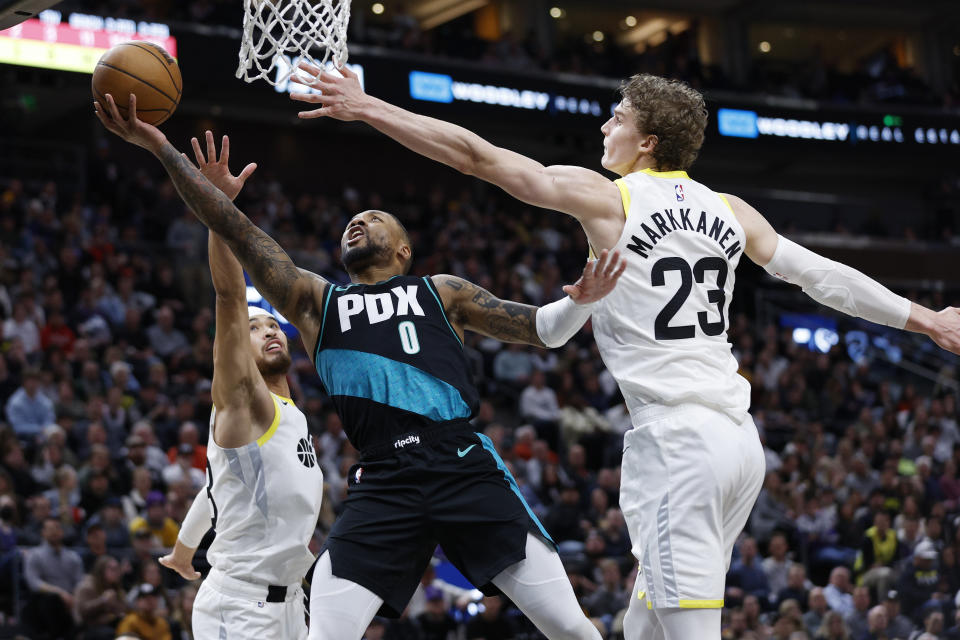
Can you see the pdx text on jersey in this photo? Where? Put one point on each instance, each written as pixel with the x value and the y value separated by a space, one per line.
pixel 662 224
pixel 379 306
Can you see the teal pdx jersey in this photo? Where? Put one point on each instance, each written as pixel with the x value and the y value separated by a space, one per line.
pixel 390 360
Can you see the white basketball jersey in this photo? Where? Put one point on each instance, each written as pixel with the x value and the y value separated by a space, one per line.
pixel 266 500
pixel 662 332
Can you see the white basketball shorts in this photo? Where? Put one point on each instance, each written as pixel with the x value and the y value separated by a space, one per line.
pixel 689 478
pixel 229 609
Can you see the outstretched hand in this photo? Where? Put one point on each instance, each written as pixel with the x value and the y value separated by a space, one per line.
pixel 181 561
pixel 216 170
pixel 131 128
pixel 342 98
pixel 946 329
pixel 599 278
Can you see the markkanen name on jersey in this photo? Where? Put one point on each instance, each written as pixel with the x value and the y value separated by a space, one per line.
pixel 680 220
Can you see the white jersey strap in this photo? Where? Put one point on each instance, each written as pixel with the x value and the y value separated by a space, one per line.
pixel 838 286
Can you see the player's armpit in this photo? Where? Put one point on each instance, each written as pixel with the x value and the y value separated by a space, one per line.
pixel 471 307
pixel 761 240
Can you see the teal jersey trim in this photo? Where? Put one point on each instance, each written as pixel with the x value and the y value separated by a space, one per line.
pixel 323 322
pixel 432 289
pixel 488 445
pixel 346 372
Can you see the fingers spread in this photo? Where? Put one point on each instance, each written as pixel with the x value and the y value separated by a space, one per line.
pixel 247 171
pixel 316 113
pixel 211 146
pixel 198 154
pixel 310 97
pixel 312 69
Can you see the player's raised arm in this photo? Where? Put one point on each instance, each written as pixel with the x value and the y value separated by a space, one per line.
pixel 239 391
pixel 294 293
pixel 838 286
pixel 584 194
pixel 469 306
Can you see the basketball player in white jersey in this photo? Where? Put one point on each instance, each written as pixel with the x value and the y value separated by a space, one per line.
pixel 424 485
pixel 264 484
pixel 692 464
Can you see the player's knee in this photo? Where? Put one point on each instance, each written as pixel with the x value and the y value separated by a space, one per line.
pixel 574 627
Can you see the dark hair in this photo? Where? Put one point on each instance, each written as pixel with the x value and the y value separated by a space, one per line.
pixel 406 238
pixel 671 110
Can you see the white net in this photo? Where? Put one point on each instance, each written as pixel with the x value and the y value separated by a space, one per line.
pixel 278 31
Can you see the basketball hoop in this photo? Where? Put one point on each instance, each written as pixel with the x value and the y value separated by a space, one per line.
pixel 13 12
pixel 280 32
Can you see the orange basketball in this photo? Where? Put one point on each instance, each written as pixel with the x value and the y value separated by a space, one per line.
pixel 145 70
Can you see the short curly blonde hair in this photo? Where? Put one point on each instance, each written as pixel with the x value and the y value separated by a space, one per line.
pixel 673 111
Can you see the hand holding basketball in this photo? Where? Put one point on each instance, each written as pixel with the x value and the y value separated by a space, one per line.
pixel 130 129
pixel 342 98
pixel 599 278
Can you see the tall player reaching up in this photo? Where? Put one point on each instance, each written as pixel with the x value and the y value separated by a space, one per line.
pixel 692 464
pixel 265 487
pixel 388 348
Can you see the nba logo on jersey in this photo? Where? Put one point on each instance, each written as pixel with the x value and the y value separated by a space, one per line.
pixel 678 189
pixel 356 476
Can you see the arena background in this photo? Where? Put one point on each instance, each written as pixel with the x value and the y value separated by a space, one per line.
pixel 838 120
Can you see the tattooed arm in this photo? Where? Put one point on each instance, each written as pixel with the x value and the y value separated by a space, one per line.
pixel 471 307
pixel 295 294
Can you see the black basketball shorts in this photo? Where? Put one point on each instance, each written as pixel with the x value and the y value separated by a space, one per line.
pixel 451 489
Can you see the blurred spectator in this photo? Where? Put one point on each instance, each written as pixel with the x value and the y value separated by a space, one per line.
pixel 777 565
pixel 898 625
pixel 52 572
pixel 188 434
pixel 833 627
pixel 22 327
pixel 491 623
pixel 28 410
pixel 878 553
pixel 746 575
pixel 538 403
pixel 100 600
pixel 162 528
pixel 610 597
pixel 436 622
pixel 856 620
pixel 877 625
pixel 920 579
pixel 164 338
pixel 817 609
pixel 837 592
pixel 182 470
pixel 796 587
pixel 144 620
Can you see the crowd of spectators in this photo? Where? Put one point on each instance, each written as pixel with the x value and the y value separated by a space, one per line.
pixel 105 370
pixel 876 77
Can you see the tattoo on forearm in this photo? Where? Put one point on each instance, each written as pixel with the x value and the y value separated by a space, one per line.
pixel 271 269
pixel 500 319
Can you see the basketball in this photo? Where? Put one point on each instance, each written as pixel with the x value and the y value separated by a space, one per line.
pixel 144 69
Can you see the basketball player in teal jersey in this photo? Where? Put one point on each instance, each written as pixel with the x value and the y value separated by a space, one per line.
pixel 692 464
pixel 388 349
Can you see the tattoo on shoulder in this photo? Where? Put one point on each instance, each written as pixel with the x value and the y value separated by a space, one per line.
pixel 452 283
